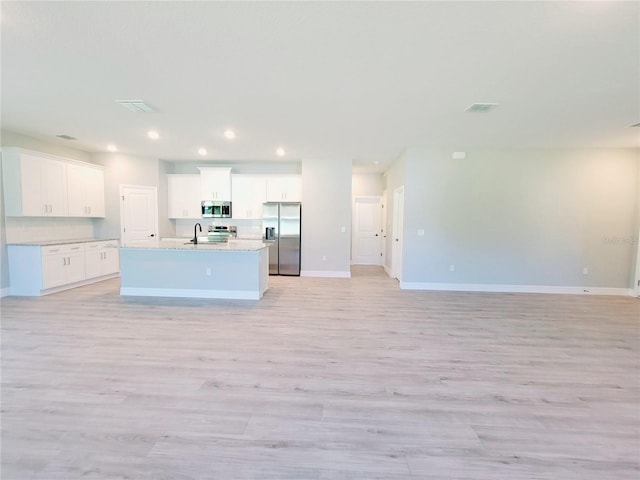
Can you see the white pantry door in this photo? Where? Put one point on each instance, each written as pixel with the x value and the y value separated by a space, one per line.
pixel 366 244
pixel 138 213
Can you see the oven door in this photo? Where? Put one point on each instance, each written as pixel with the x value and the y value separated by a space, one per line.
pixel 207 209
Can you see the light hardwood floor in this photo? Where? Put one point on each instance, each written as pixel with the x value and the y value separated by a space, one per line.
pixel 321 379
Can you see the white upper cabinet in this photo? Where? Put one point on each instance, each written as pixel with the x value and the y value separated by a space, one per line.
pixel 184 199
pixel 85 191
pixel 215 183
pixel 248 193
pixel 40 185
pixel 284 188
pixel 34 186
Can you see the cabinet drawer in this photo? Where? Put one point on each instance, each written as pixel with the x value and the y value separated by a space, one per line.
pixel 62 249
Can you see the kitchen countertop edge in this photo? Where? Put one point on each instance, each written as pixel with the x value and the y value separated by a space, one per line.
pixel 49 243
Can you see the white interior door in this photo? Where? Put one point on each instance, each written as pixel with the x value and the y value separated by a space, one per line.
pixel 138 213
pixel 383 227
pixel 366 245
pixel 396 240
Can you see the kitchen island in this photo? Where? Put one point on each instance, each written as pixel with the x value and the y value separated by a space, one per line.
pixel 176 268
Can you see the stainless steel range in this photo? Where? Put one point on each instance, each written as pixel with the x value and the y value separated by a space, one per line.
pixel 221 233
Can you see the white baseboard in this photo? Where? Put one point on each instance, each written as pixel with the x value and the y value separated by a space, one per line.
pixel 5 292
pixel 387 269
pixel 325 274
pixel 190 293
pixel 476 287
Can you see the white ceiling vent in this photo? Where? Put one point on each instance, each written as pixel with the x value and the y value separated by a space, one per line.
pixel 136 106
pixel 481 107
pixel 66 137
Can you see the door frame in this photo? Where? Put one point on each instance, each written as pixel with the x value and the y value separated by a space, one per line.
pixel 397 233
pixel 154 191
pixel 636 280
pixel 378 201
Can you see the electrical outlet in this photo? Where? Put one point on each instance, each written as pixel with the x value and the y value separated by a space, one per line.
pixel 343 229
pixel 324 258
pixel 208 271
pixel 452 268
pixel 585 271
pixel 421 232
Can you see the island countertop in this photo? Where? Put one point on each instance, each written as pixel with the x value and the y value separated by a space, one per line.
pixel 180 244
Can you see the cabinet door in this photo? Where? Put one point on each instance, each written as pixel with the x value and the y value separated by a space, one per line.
pixel 76 191
pixel 33 202
pixel 284 188
pixel 183 192
pixel 74 269
pixel 110 260
pixel 93 259
pixel 85 191
pixel 248 193
pixel 94 191
pixel 215 183
pixel 54 186
pixel 53 266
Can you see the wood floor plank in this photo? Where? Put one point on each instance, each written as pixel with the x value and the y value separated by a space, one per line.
pixel 321 379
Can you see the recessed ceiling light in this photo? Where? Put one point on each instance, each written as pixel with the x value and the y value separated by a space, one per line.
pixel 229 134
pixel 112 148
pixel 136 106
pixel 66 137
pixel 280 152
pixel 153 135
pixel 202 151
pixel 481 107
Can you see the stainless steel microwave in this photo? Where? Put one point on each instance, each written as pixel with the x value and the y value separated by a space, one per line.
pixel 216 209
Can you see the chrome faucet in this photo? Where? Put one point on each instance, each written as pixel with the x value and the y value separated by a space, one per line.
pixel 195 233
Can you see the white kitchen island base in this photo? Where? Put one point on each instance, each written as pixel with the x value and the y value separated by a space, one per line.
pixel 172 269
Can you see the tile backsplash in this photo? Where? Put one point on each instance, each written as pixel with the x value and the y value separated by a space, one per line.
pixel 36 229
pixel 246 228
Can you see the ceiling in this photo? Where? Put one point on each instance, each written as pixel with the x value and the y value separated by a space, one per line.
pixel 355 80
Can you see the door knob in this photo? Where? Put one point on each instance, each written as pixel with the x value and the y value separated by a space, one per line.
pixel 152 235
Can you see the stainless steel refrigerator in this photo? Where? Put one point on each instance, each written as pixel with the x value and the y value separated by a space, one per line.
pixel 281 230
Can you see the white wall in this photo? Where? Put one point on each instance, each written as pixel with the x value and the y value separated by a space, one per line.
pixel 326 210
pixel 521 217
pixel 367 184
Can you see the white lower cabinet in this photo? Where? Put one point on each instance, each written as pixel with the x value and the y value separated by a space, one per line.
pixel 101 258
pixel 36 270
pixel 62 265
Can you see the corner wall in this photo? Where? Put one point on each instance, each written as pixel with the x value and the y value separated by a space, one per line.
pixel 326 211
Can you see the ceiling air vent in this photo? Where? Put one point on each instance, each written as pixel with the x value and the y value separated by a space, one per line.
pixel 481 107
pixel 635 125
pixel 66 137
pixel 136 106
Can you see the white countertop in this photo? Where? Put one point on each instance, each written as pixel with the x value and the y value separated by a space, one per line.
pixel 184 244
pixel 49 243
